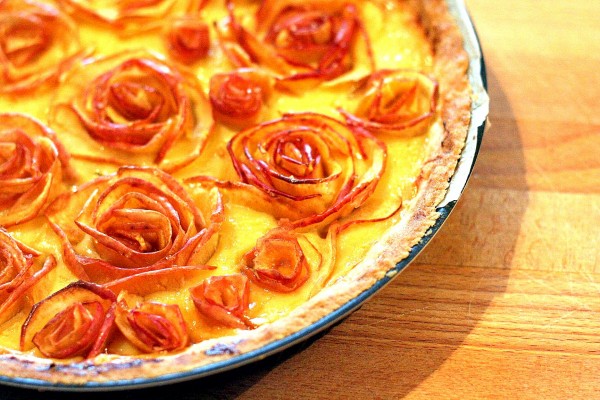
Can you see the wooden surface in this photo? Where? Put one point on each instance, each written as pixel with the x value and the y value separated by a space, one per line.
pixel 505 302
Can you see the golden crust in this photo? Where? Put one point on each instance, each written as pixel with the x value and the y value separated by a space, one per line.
pixel 450 68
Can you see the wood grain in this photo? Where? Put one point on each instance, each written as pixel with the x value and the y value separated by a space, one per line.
pixel 505 302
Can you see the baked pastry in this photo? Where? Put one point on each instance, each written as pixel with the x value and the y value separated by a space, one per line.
pixel 188 181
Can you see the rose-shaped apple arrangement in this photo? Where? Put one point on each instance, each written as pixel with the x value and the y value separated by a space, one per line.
pixel 224 300
pixel 299 41
pixel 133 108
pixel 81 319
pixel 277 262
pixel 75 321
pixel 315 165
pixel 37 44
pixel 32 165
pixel 134 221
pixel 396 102
pixel 187 38
pixel 238 97
pixel 151 326
pixel 21 268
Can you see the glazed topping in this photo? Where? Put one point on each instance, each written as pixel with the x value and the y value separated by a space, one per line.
pixel 30 168
pixel 277 262
pixel 224 300
pixel 311 159
pixel 397 102
pixel 37 43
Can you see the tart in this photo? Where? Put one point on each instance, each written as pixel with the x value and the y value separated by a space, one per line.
pixel 185 182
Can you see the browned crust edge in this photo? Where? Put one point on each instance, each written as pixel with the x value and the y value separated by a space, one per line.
pixel 450 67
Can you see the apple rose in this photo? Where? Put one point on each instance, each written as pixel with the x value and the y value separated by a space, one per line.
pixel 296 40
pixel 16 261
pixel 396 102
pixel 277 262
pixel 18 273
pixel 75 321
pixel 313 163
pixel 151 326
pixel 134 221
pixel 125 16
pixel 224 299
pixel 188 38
pixel 37 44
pixel 133 108
pixel 32 164
pixel 237 97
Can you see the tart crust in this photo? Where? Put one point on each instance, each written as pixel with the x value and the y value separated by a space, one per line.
pixel 450 66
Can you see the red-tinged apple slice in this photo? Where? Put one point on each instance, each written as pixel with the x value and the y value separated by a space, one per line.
pixel 150 326
pixel 224 300
pixel 75 321
pixel 277 262
pixel 132 108
pixel 299 41
pixel 138 220
pixel 18 273
pixel 396 102
pixel 170 279
pixel 16 261
pixel 71 332
pixel 105 333
pixel 38 43
pixel 315 164
pixel 238 97
pixel 188 38
pixel 14 300
pixel 33 164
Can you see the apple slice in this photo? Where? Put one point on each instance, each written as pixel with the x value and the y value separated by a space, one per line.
pixel 75 321
pixel 224 299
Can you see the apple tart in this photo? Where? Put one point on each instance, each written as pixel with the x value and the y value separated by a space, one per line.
pixel 185 182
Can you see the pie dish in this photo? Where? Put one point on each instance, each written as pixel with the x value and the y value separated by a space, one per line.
pixel 247 178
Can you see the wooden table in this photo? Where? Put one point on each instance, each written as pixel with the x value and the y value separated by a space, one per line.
pixel 505 301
